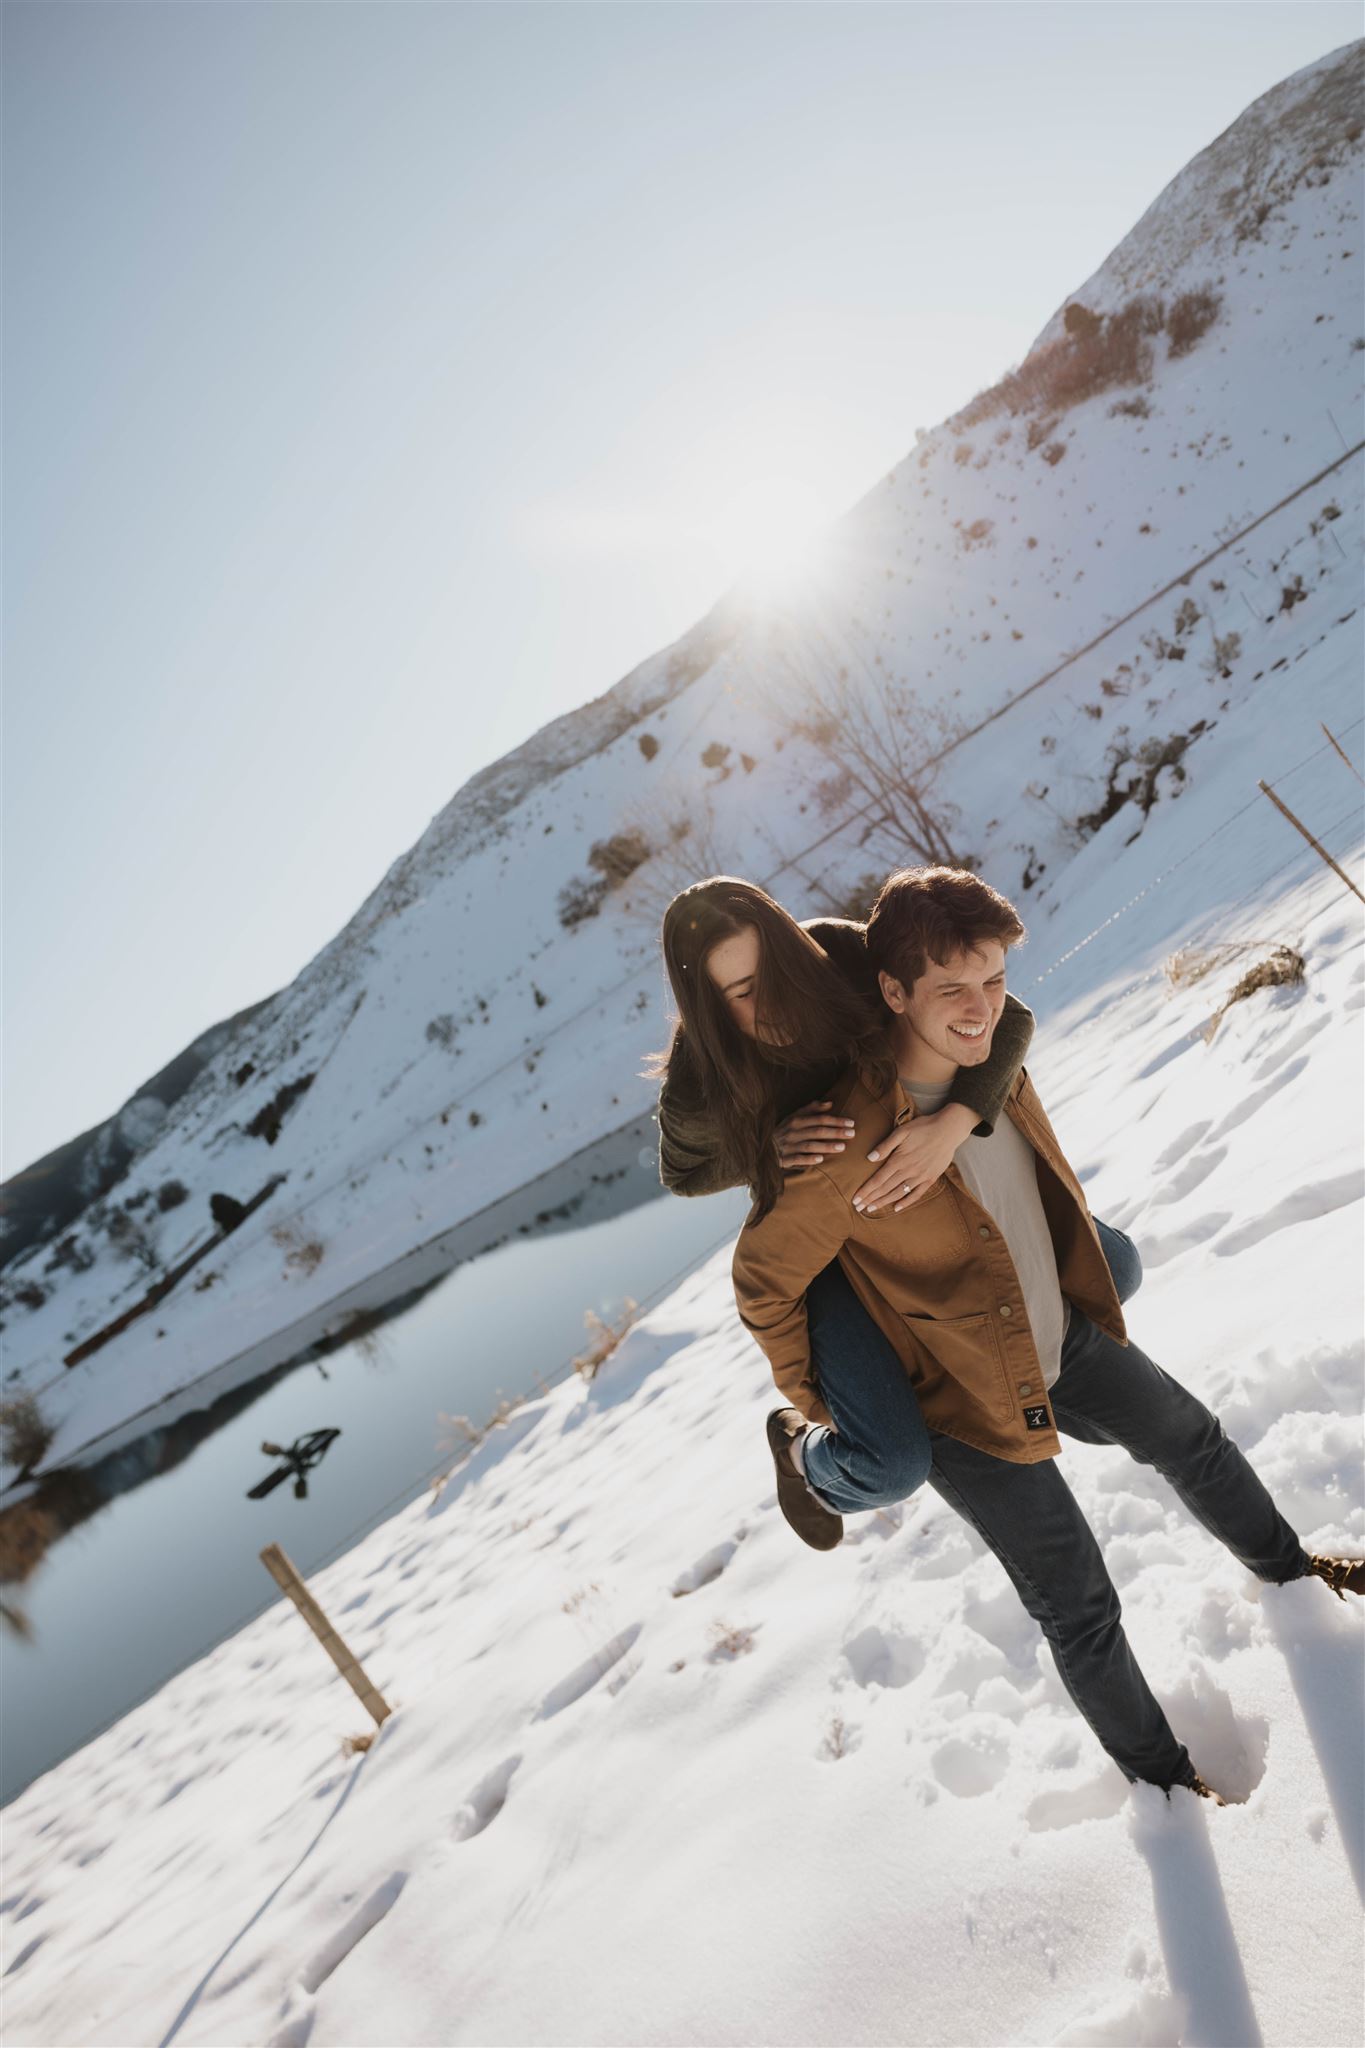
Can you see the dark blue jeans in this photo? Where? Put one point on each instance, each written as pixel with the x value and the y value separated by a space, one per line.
pixel 1106 1393
pixel 883 1451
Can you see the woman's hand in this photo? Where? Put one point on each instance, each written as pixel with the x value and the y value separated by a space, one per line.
pixel 913 1155
pixel 808 1134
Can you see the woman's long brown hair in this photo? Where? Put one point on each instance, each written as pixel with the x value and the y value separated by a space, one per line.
pixel 811 1018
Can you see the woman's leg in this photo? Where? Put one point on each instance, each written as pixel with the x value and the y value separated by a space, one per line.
pixel 879 1450
pixel 1125 1261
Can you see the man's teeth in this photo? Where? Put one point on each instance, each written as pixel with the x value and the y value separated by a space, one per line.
pixel 966 1031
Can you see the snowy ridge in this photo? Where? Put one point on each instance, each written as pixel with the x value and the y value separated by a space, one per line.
pixel 488 1010
pixel 1234 192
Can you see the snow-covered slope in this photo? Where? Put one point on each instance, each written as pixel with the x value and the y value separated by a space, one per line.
pixel 658 1774
pixel 487 1011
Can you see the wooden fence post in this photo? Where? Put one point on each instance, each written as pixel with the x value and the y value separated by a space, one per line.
pixel 1321 851
pixel 1343 753
pixel 286 1577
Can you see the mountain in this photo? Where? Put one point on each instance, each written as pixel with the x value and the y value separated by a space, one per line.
pixel 1017 650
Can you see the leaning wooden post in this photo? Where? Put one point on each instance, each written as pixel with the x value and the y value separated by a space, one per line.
pixel 1343 753
pixel 283 1572
pixel 1319 850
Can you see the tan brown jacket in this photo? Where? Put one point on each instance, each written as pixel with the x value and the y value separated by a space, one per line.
pixel 937 1279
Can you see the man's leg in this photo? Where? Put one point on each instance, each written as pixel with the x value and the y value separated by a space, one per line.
pixel 881 1450
pixel 1030 1518
pixel 1108 1393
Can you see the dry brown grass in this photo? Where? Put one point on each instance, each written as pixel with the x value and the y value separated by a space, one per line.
pixel 24 1434
pixel 301 1254
pixel 1279 967
pixel 836 1737
pixel 730 1640
pixel 603 1339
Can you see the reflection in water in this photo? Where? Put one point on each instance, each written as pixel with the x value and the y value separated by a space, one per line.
pixel 615 1175
pixel 299 1459
pixel 62 1499
pixel 445 1329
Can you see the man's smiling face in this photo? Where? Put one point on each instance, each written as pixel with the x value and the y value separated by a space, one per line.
pixel 949 1016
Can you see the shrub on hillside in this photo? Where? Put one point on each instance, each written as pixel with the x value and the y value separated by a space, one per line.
pixel 1095 353
pixel 580 899
pixel 1190 318
pixel 617 858
pixel 1080 322
pixel 24 1435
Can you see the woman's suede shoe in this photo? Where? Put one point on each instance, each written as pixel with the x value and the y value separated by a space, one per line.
pixel 813 1522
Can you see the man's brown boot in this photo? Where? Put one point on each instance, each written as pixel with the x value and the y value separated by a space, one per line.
pixel 813 1522
pixel 1343 1574
pixel 1194 1784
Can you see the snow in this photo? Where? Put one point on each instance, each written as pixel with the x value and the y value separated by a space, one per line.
pixel 655 1772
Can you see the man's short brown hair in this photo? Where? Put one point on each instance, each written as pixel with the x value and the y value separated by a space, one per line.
pixel 925 914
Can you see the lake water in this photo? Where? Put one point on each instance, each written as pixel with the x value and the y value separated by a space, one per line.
pixel 151 1578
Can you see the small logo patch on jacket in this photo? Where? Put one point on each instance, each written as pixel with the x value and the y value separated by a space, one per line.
pixel 1036 1418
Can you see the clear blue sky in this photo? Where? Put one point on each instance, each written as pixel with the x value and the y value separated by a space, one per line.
pixel 382 380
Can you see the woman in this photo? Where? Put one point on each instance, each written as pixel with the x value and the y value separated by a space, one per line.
pixel 769 1012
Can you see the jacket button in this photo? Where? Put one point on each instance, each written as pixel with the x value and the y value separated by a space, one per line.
pixel 1025 1392
pixel 1005 1309
pixel 982 1231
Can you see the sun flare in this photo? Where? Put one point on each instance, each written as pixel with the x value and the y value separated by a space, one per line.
pixel 770 532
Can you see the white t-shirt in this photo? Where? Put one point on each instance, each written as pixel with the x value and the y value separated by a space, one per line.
pixel 1001 1172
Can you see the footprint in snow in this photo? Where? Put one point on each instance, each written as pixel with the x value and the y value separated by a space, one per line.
pixel 884 1658
pixel 1258 1098
pixel 588 1674
pixel 1318 1199
pixel 31 1948
pixel 1185 1178
pixel 1181 1146
pixel 975 1663
pixel 334 1952
pixel 1228 1749
pixel 1275 1062
pixel 968 1765
pixel 1159 1251
pixel 705 1571
pixel 485 1802
pixel 1098 1799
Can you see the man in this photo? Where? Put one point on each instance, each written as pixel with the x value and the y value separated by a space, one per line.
pixel 994 1297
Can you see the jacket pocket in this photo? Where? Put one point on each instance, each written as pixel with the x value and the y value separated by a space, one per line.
pixel 967 1350
pixel 932 1233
